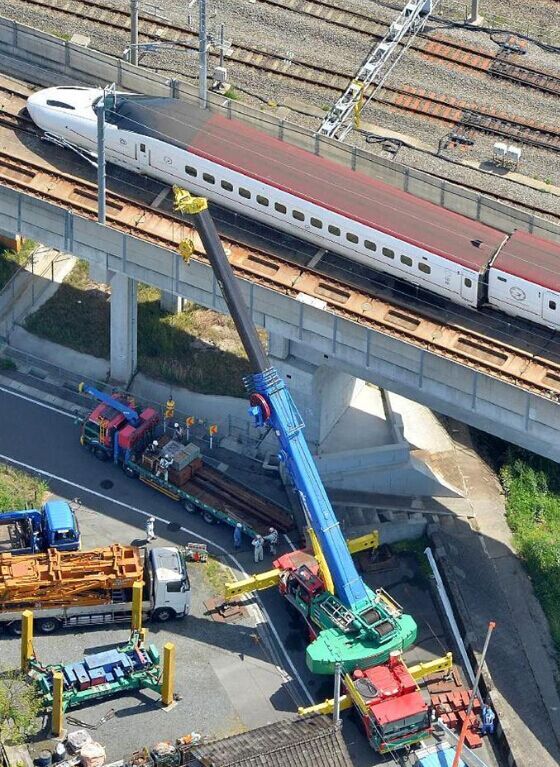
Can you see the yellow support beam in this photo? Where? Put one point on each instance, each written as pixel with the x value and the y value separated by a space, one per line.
pixel 254 583
pixel 168 683
pixel 57 709
pixel 26 638
pixel 368 541
pixel 324 571
pixel 326 707
pixel 137 590
pixel 422 670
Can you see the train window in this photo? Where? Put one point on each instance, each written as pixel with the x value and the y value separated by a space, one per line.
pixel 190 171
pixel 351 237
pixel 406 260
pixel 142 147
pixel 388 252
pixel 298 215
pixel 334 230
pixel 244 193
pixel 209 178
pixel 227 186
pixel 468 282
pixel 316 223
pixel 370 245
pixel 262 200
pixel 502 279
pixel 552 305
pixel 279 208
pixel 60 104
pixel 424 268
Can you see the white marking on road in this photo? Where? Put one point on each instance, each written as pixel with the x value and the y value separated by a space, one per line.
pixel 261 607
pixel 160 197
pixel 37 402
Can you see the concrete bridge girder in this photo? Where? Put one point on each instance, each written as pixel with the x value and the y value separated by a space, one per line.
pixel 315 335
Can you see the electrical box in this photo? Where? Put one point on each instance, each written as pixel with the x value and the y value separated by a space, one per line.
pixel 221 75
pixel 513 155
pixel 500 150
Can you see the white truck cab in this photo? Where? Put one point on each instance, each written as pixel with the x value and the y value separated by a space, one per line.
pixel 170 587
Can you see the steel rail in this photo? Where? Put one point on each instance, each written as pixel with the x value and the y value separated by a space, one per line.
pixel 487 355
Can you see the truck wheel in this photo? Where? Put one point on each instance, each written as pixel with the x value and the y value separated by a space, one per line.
pixel 15 628
pixel 190 507
pixel 129 471
pixel 100 454
pixel 48 625
pixel 210 519
pixel 163 614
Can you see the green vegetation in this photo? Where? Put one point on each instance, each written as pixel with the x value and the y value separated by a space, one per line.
pixel 232 94
pixel 197 348
pixel 532 487
pixel 416 547
pixel 61 35
pixel 19 490
pixel 217 575
pixel 10 261
pixel 19 708
pixel 6 363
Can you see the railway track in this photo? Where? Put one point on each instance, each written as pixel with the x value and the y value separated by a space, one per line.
pixel 480 60
pixel 415 100
pixel 456 53
pixel 519 367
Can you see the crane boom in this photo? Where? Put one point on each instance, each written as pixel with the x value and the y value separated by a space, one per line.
pixel 128 412
pixel 272 404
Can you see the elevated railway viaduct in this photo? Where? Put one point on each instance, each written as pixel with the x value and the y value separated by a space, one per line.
pixel 313 325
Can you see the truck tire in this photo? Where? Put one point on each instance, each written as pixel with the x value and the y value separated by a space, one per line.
pixel 209 518
pixel 190 507
pixel 48 625
pixel 100 454
pixel 163 614
pixel 15 628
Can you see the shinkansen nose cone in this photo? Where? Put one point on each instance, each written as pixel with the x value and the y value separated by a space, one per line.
pixel 50 108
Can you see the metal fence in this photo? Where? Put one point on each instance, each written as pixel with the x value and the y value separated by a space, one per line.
pixel 51 59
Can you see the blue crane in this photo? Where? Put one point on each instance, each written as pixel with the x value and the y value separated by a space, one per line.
pixel 121 407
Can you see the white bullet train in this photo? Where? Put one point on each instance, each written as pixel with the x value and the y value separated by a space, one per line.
pixel 312 198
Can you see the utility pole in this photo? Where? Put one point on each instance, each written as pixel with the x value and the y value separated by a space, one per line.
pixel 100 113
pixel 134 5
pixel 464 728
pixel 202 55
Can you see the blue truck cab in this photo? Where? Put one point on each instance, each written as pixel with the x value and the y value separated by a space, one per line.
pixel 60 528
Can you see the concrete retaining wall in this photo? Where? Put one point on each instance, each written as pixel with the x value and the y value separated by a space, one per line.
pixel 50 58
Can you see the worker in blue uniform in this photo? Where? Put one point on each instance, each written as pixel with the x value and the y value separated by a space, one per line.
pixel 487 719
pixel 237 533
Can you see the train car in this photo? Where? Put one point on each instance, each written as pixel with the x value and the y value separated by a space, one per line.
pixel 272 181
pixel 524 279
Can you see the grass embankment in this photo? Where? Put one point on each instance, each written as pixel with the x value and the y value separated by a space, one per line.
pixel 198 348
pixel 19 490
pixel 10 261
pixel 532 487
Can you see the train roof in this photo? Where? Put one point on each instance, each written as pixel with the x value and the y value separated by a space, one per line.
pixel 332 186
pixel 531 258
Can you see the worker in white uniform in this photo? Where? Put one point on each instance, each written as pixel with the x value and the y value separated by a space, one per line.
pixel 272 539
pixel 258 543
pixel 150 534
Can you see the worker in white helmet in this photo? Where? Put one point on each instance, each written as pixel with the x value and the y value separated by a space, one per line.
pixel 258 544
pixel 150 534
pixel 178 432
pixel 154 447
pixel 272 539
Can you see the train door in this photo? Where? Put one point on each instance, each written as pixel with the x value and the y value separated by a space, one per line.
pixel 551 308
pixel 143 155
pixel 468 288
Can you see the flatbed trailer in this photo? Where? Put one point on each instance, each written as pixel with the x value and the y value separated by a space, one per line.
pixel 218 498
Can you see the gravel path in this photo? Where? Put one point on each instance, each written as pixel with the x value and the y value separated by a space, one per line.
pixel 290 35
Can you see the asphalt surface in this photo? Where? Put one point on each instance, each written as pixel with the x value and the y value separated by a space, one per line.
pixel 41 439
